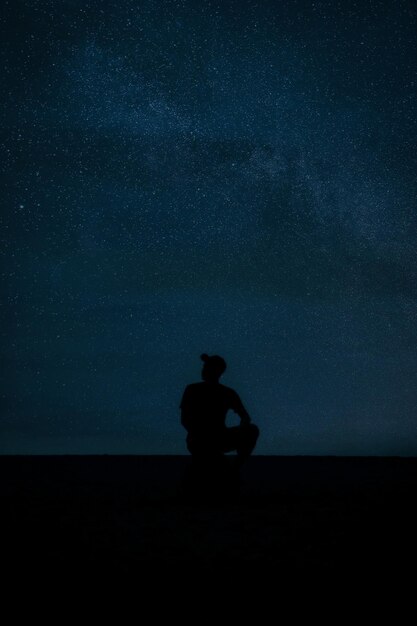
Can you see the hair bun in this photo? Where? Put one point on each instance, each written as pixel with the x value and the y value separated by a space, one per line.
pixel 204 357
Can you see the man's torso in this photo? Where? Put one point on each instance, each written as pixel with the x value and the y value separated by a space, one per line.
pixel 207 405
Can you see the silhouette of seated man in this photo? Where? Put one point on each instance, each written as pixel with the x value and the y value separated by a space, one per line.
pixel 204 407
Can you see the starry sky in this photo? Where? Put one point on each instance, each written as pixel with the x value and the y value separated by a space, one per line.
pixel 235 177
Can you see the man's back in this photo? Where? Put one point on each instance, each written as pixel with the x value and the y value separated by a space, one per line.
pixel 204 406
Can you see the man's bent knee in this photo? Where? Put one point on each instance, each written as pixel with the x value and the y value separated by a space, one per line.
pixel 249 435
pixel 251 430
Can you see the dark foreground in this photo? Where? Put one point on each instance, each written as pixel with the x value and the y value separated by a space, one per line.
pixel 294 513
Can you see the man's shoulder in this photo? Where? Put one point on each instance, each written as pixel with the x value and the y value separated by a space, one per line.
pixel 203 385
pixel 193 388
pixel 194 385
pixel 228 391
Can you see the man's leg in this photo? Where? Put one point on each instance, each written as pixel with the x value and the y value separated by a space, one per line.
pixel 241 438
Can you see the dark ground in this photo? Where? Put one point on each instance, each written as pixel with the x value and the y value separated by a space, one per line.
pixel 296 514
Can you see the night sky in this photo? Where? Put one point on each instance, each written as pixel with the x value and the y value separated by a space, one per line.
pixel 231 177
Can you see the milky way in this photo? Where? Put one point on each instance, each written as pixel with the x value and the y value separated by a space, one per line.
pixel 236 178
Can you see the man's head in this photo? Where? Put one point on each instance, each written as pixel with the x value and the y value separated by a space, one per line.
pixel 213 367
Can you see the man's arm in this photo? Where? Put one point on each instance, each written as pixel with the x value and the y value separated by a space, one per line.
pixel 186 419
pixel 185 410
pixel 240 410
